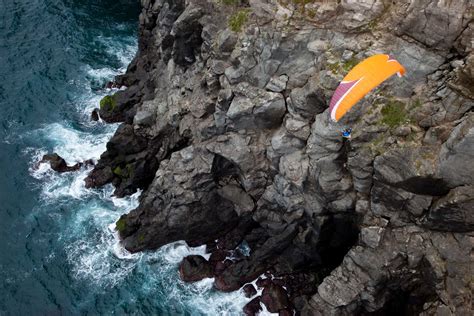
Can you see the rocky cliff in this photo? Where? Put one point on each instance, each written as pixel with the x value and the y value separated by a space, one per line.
pixel 226 129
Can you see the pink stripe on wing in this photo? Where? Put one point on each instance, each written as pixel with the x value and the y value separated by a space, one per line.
pixel 340 92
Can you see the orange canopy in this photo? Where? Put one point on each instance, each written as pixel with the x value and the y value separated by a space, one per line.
pixel 365 76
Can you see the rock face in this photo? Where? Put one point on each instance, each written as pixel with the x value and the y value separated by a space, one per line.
pixel 226 129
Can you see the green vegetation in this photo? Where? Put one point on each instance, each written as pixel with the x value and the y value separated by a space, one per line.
pixel 230 2
pixel 108 103
pixel 337 67
pixel 238 19
pixel 416 104
pixel 141 237
pixel 372 24
pixel 394 114
pixel 351 63
pixel 120 225
pixel 334 67
pixel 377 146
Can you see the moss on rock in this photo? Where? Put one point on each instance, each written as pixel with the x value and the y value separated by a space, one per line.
pixel 108 103
pixel 120 225
pixel 126 172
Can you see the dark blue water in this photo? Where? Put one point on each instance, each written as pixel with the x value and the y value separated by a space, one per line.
pixel 58 250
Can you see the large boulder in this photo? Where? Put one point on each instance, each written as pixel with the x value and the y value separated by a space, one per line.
pixel 195 268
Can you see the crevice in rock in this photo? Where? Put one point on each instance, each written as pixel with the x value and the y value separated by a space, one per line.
pixel 183 142
pixel 224 169
pixel 424 186
pixel 337 236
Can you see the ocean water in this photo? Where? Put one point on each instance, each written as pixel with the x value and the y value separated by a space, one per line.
pixel 59 254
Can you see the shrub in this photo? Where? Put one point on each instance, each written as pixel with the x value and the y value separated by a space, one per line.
pixel 394 114
pixel 238 19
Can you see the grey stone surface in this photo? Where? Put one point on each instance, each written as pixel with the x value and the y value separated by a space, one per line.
pixel 228 134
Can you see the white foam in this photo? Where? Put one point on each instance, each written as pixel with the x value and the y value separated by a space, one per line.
pixel 124 52
pixel 94 252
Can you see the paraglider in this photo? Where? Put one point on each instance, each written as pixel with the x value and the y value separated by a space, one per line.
pixel 347 132
pixel 364 77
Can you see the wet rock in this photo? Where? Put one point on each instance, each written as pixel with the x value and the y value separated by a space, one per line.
pixel 219 267
pixel 58 164
pixel 275 298
pixel 95 115
pixel 99 177
pixel 249 290
pixel 261 282
pixel 253 307
pixel 194 268
pixel 218 255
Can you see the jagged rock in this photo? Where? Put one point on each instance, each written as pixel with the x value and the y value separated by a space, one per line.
pixel 194 268
pixel 457 154
pixel 58 164
pixel 453 212
pixel 143 118
pixel 229 136
pixel 253 108
pixel 95 115
pixel 171 199
pixel 277 84
pixel 435 24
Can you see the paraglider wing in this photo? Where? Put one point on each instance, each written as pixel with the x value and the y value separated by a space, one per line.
pixel 365 76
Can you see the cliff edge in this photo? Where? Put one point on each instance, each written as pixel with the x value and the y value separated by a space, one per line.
pixel 225 127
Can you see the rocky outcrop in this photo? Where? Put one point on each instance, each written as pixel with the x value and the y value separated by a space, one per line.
pixel 195 268
pixel 226 129
pixel 60 165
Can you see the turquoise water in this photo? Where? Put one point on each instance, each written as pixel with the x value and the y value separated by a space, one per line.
pixel 58 253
